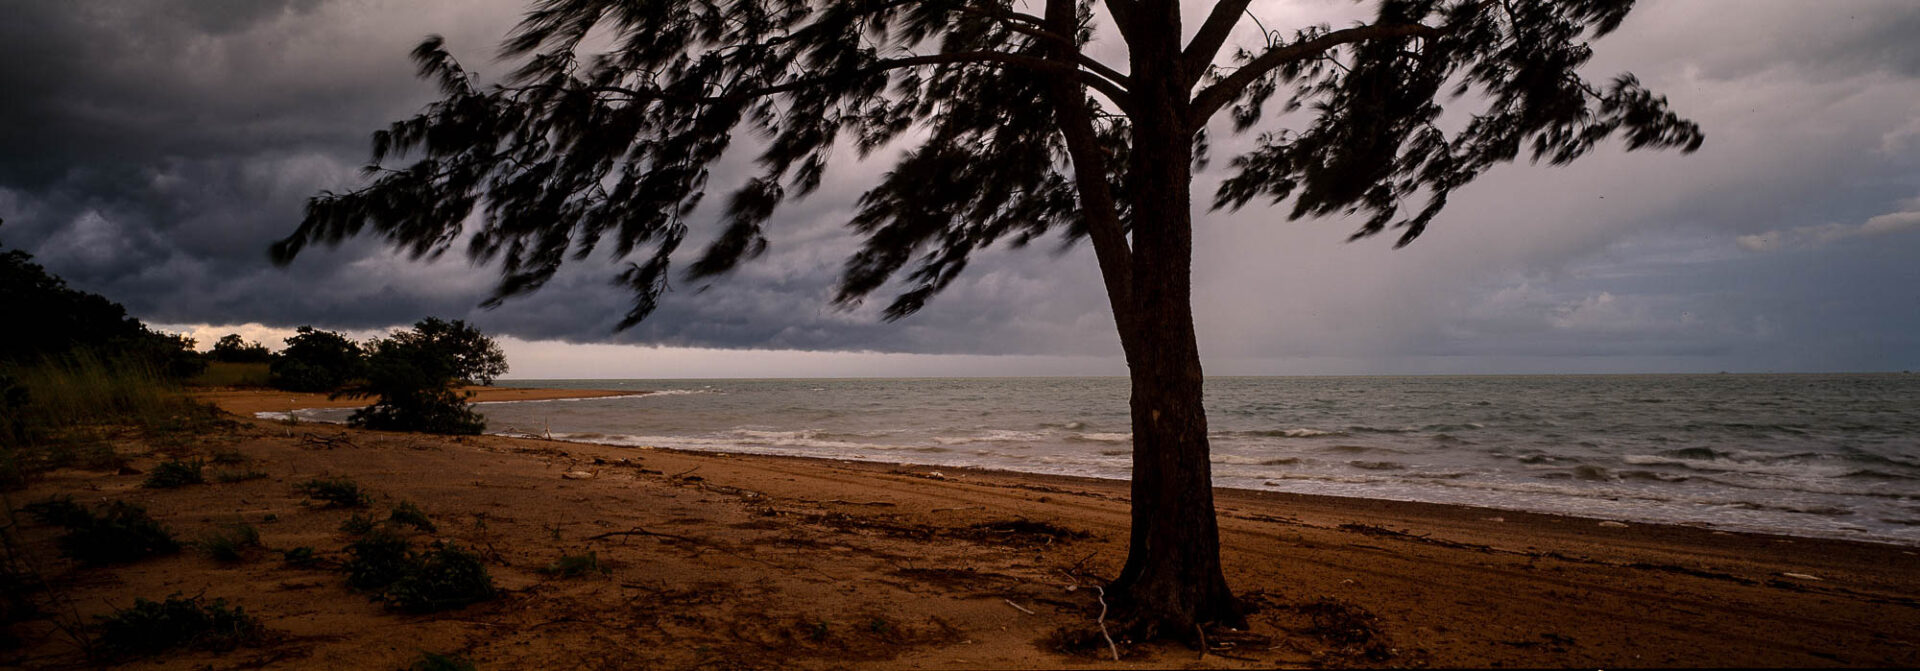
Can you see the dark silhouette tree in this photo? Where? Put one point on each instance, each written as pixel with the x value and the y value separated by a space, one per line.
pixel 413 375
pixel 1017 131
pixel 317 361
pixel 60 321
pixel 231 348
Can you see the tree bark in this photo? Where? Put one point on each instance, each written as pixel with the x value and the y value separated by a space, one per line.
pixel 1172 582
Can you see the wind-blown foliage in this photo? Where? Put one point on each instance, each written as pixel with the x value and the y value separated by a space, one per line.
pixel 412 373
pixel 317 361
pixel 1007 131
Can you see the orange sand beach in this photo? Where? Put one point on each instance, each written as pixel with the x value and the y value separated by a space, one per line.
pixel 740 561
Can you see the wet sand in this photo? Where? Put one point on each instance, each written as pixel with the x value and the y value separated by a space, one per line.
pixel 741 561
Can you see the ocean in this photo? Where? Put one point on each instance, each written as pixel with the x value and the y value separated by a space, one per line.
pixel 1835 456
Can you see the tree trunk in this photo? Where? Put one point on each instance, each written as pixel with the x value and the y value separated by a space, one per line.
pixel 1172 582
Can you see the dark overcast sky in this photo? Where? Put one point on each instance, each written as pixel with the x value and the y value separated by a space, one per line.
pixel 151 149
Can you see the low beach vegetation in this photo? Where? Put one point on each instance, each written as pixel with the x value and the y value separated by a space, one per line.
pixel 174 473
pixel 120 534
pixel 233 543
pixel 150 627
pixel 574 566
pixel 443 577
pixel 406 513
pixel 337 492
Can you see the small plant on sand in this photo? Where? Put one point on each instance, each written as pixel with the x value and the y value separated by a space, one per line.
pixel 124 533
pixel 301 557
pixel 357 525
pixel 444 577
pixel 433 661
pixel 411 515
pixel 378 560
pixel 234 543
pixel 341 492
pixel 176 473
pixel 149 627
pixel 228 457
pixel 574 566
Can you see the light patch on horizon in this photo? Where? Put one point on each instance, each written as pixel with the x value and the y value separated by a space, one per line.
pixel 1812 236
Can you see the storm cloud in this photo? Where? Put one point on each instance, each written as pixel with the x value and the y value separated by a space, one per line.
pixel 150 150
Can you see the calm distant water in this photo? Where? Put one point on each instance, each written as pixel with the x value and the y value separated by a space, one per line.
pixel 1820 455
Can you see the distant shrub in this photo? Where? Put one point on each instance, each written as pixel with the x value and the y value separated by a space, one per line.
pixel 412 374
pixel 228 457
pixel 231 544
pixel 317 361
pixel 573 566
pixel 123 534
pixel 149 627
pixel 341 492
pixel 411 515
pixel 176 473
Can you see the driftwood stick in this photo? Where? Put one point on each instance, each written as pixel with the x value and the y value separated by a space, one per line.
pixel 1103 623
pixel 1016 606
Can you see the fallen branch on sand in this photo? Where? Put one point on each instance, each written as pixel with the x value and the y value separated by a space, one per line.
pixel 637 531
pixel 326 442
pixel 1103 624
pixel 1017 606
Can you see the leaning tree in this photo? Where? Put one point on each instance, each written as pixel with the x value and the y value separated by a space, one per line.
pixel 1006 125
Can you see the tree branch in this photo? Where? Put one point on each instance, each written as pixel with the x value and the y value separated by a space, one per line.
pixel 1210 99
pixel 1097 204
pixel 1206 43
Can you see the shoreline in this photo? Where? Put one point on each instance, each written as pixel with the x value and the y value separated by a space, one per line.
pixel 237 400
pixel 764 561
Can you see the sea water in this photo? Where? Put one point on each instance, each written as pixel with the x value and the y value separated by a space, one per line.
pixel 1815 455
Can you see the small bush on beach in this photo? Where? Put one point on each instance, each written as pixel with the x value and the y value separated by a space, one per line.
pixel 411 515
pixel 413 375
pixel 574 566
pixel 123 534
pixel 444 577
pixel 150 627
pixel 376 561
pixel 230 477
pixel 228 457
pixel 234 543
pixel 341 492
pixel 301 557
pixel 176 473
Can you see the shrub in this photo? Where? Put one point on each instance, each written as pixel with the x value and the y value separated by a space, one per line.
pixel 228 457
pixel 301 557
pixel 149 627
pixel 176 473
pixel 229 477
pixel 413 375
pixel 444 577
pixel 573 566
pixel 341 492
pixel 231 544
pixel 378 560
pixel 411 515
pixel 124 534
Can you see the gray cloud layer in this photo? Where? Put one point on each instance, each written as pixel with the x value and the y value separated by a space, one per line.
pixel 151 149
